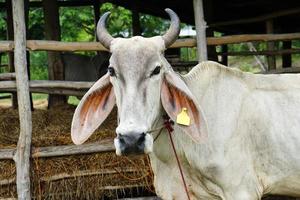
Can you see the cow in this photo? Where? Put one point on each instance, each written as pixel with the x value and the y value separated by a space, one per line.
pixel 85 68
pixel 242 140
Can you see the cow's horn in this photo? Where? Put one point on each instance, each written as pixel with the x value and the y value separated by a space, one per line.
pixel 171 35
pixel 104 37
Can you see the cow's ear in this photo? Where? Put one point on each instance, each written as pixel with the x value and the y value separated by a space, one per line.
pixel 92 110
pixel 175 95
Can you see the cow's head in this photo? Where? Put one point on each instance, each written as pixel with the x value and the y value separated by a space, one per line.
pixel 143 86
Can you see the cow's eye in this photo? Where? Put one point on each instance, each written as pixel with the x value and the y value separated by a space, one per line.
pixel 111 71
pixel 155 71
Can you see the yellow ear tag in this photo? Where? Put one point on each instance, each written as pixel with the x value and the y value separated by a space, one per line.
pixel 183 118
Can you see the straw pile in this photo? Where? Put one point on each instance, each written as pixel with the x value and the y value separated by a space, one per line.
pixel 92 176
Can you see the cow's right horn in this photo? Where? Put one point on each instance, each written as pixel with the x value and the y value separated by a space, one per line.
pixel 171 35
pixel 104 37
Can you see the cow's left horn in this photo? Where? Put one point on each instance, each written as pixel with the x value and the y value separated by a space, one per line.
pixel 104 37
pixel 171 35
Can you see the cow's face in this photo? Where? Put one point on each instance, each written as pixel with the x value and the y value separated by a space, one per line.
pixel 136 69
pixel 143 85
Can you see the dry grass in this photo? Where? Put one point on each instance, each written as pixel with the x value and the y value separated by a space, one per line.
pixel 54 178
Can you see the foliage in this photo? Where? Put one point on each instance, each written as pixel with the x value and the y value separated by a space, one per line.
pixel 2 24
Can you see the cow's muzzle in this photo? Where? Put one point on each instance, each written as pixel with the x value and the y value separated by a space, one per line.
pixel 132 144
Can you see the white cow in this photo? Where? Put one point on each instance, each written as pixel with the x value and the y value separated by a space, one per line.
pixel 244 138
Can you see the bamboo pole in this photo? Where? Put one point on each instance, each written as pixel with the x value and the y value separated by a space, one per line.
pixel 201 30
pixel 22 156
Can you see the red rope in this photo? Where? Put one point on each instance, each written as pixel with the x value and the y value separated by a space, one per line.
pixel 168 126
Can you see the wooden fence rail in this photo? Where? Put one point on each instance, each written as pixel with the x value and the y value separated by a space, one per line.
pixel 39 45
pixel 51 87
pixel 63 150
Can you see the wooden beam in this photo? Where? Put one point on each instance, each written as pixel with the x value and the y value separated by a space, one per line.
pixel 258 19
pixel 252 38
pixel 252 53
pixel 50 45
pixel 7 76
pixel 51 87
pixel 6 46
pixel 63 150
pixel 283 70
pixel 201 30
pixel 22 156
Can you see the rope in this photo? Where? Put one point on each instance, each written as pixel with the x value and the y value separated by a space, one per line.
pixel 168 126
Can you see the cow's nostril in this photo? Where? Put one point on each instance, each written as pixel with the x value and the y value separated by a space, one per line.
pixel 121 138
pixel 141 140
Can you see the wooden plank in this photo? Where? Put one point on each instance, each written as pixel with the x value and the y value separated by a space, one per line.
pixel 200 24
pixel 63 150
pixel 22 156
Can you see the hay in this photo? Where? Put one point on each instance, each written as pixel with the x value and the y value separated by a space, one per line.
pixel 90 176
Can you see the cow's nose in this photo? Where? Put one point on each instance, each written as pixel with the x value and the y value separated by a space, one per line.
pixel 133 143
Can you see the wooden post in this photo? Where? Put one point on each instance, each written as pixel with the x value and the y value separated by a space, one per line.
pixel 22 156
pixel 96 6
pixel 52 32
pixel 200 30
pixel 26 11
pixel 286 58
pixel 136 26
pixel 224 49
pixel 10 36
pixel 271 46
